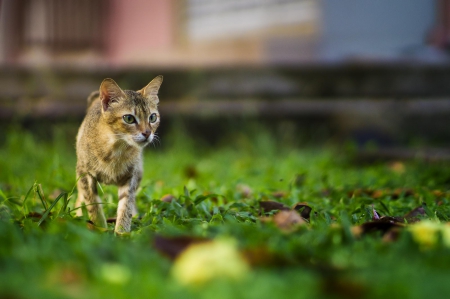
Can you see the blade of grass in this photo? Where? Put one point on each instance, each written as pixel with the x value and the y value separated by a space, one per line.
pixel 65 203
pixel 73 189
pixel 24 207
pixel 47 212
pixel 40 193
pixel 69 196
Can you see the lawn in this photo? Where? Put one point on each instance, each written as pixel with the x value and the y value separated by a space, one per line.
pixel 226 227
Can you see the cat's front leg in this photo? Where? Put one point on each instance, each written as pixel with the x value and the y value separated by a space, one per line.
pixel 127 205
pixel 87 193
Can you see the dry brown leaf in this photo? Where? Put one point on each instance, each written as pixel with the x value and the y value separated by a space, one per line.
pixel 287 220
pixel 268 205
pixel 303 209
pixel 168 198
pixel 413 216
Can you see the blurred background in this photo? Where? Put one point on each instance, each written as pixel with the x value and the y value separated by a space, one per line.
pixel 373 72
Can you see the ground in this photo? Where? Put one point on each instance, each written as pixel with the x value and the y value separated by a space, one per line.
pixel 221 222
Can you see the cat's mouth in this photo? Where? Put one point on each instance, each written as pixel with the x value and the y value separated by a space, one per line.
pixel 144 141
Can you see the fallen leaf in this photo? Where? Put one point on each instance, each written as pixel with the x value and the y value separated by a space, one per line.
pixel 268 205
pixel 413 216
pixel 168 198
pixel 305 210
pixel 383 225
pixel 287 220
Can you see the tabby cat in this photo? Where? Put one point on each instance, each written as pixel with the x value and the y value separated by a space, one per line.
pixel 118 125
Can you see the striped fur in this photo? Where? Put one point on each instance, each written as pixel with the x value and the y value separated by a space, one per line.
pixel 109 150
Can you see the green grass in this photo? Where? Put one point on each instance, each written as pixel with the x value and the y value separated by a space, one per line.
pixel 46 252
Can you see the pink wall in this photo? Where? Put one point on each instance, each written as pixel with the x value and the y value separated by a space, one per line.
pixel 138 27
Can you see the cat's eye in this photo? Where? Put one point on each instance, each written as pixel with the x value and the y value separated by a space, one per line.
pixel 129 119
pixel 153 117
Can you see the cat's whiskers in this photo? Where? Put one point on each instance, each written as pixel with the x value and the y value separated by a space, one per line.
pixel 155 140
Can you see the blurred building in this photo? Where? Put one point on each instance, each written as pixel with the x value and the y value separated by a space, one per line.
pixel 349 65
pixel 153 32
pixel 173 33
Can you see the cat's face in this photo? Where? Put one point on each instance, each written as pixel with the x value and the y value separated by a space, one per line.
pixel 132 116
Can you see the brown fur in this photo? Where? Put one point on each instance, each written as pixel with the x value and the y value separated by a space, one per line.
pixel 109 150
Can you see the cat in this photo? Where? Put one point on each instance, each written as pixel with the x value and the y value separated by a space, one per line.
pixel 117 126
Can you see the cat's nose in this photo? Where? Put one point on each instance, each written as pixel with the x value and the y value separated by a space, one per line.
pixel 146 134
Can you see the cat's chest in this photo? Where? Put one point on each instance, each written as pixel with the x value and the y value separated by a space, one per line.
pixel 116 167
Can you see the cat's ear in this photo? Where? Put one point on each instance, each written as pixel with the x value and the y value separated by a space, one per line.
pixel 109 93
pixel 151 90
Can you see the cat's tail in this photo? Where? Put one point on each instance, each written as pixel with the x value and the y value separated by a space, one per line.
pixel 92 97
